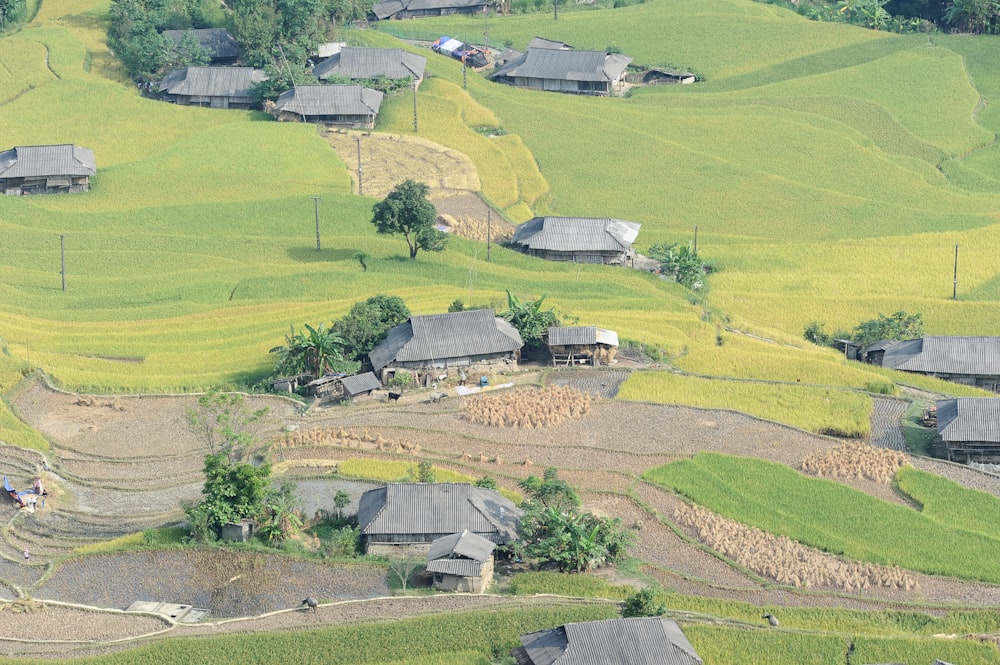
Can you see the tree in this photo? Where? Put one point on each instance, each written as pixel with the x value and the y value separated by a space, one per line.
pixel 425 472
pixel 11 11
pixel 815 333
pixel 366 324
pixel 226 423
pixel 643 604
pixel 680 262
pixel 315 352
pixel 900 325
pixel 405 567
pixel 550 491
pixel 341 500
pixel 978 16
pixel 531 321
pixel 283 515
pixel 406 210
pixel 186 53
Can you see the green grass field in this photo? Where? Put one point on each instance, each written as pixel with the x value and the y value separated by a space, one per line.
pixel 838 519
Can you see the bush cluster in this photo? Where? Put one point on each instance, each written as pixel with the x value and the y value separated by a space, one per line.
pixel 783 559
pixel 541 407
pixel 855 461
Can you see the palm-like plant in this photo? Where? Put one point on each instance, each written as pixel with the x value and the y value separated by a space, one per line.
pixel 315 351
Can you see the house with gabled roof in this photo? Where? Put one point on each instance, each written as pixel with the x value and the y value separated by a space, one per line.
pixel 364 63
pixel 399 9
pixel 970 361
pixel 629 641
pixel 222 47
pixel 577 239
pixel 410 516
pixel 969 428
pixel 427 347
pixel 46 169
pixel 581 345
pixel 461 562
pixel 558 69
pixel 215 87
pixel 343 105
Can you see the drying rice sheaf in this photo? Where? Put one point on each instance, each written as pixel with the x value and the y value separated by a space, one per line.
pixel 346 438
pixel 855 461
pixel 533 407
pixel 783 559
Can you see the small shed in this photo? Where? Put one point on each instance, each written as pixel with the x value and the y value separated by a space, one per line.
pixel 461 562
pixel 240 532
pixel 582 345
pixel 220 44
pixel 360 385
pixel 969 428
pixel 215 87
pixel 344 105
pixel 46 169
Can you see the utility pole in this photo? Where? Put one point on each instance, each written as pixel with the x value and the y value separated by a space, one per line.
pixel 486 29
pixel 357 139
pixel 316 207
pixel 489 227
pixel 465 77
pixel 695 238
pixel 954 283
pixel 62 260
pixel 414 107
pixel 555 10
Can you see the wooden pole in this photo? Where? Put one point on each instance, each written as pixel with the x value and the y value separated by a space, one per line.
pixel 414 107
pixel 316 207
pixel 489 225
pixel 357 139
pixel 954 283
pixel 695 238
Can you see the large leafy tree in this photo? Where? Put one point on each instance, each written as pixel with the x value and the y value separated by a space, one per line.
pixel 314 351
pixel 366 324
pixel 531 321
pixel 11 11
pixel 407 211
pixel 899 325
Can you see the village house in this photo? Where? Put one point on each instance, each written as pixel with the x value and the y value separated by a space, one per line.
pixel 343 387
pixel 399 9
pixel 582 345
pixel 438 345
pixel 408 517
pixel 220 44
pixel 362 63
pixel 555 67
pixel 970 361
pixel 577 239
pixel 46 169
pixel 343 105
pixel 969 428
pixel 630 641
pixel 216 87
pixel 461 562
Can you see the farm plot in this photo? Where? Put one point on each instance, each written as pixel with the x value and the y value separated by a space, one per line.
pixel 226 582
pixel 600 382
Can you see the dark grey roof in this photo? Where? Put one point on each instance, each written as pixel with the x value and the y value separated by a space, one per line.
pixel 313 100
pixel 632 641
pixel 360 383
pixel 217 40
pixel 542 42
pixel 441 336
pixel 969 419
pixel 569 234
pixel 946 355
pixel 461 554
pixel 566 65
pixel 35 161
pixel 419 508
pixel 582 335
pixel 388 8
pixel 212 81
pixel 369 63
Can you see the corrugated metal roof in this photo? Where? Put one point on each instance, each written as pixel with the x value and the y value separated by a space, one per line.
pixel 212 81
pixel 35 161
pixel 576 234
pixel 419 508
pixel 391 7
pixel 542 42
pixel 313 100
pixel 969 419
pixel 369 63
pixel 947 355
pixel 632 641
pixel 443 336
pixel 217 40
pixel 566 65
pixel 585 335
pixel 360 383
pixel 460 567
pixel 464 545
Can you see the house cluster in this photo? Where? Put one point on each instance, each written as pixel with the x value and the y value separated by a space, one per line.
pixel 221 84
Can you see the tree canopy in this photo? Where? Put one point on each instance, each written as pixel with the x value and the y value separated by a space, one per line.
pixel 680 262
pixel 407 211
pixel 899 325
pixel 531 321
pixel 316 351
pixel 366 324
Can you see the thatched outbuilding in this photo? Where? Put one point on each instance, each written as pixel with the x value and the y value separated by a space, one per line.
pixel 582 345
